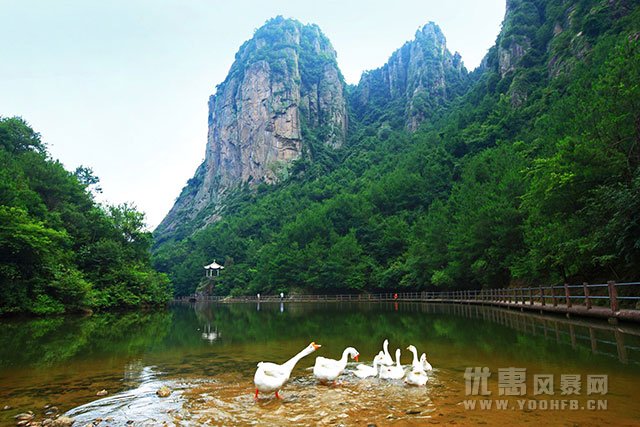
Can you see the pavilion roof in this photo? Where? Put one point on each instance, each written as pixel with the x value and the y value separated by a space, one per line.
pixel 213 266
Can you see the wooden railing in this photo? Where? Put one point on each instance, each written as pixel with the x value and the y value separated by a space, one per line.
pixel 600 300
pixel 599 337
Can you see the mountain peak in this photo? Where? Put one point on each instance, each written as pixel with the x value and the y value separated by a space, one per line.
pixel 284 98
pixel 283 90
pixel 430 31
pixel 418 77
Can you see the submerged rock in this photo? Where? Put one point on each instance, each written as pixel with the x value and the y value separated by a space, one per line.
pixel 51 410
pixel 63 422
pixel 24 416
pixel 163 391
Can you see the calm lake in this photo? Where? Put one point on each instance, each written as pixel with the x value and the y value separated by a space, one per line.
pixel 207 354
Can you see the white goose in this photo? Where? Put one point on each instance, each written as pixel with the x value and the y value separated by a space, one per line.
pixel 394 372
pixel 365 371
pixel 417 375
pixel 425 364
pixel 386 359
pixel 271 376
pixel 327 370
pixel 416 363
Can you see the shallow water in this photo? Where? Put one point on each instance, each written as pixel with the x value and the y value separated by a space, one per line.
pixel 207 355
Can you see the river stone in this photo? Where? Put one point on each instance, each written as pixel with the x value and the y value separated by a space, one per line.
pixel 63 421
pixel 51 411
pixel 102 392
pixel 163 391
pixel 24 416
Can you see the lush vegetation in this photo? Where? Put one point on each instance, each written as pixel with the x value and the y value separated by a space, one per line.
pixel 52 342
pixel 531 176
pixel 60 251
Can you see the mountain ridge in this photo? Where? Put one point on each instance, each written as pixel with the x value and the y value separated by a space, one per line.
pixel 530 176
pixel 292 67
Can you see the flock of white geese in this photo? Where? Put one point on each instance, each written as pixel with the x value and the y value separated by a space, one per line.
pixel 270 377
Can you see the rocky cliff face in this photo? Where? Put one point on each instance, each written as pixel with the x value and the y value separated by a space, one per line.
pixel 514 40
pixel 419 76
pixel 284 90
pixel 555 35
pixel 283 85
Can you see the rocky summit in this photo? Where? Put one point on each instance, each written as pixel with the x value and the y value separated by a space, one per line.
pixel 418 77
pixel 284 93
pixel 283 89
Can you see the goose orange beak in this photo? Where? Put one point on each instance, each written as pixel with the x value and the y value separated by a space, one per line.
pixel 316 346
pixel 356 357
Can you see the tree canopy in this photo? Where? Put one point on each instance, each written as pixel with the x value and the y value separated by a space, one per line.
pixel 61 251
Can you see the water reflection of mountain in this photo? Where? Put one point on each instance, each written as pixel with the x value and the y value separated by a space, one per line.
pixel 487 328
pixel 130 336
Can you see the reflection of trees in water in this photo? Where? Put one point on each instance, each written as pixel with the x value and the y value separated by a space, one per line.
pixel 133 370
pixel 585 335
pixel 54 340
pixel 439 329
pixel 368 324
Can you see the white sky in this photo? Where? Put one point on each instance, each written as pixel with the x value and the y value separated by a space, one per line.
pixel 121 86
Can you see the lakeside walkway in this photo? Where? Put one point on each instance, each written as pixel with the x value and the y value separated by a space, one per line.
pixel 606 301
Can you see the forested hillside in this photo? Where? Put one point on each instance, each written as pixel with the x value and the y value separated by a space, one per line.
pixel 60 251
pixel 530 175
